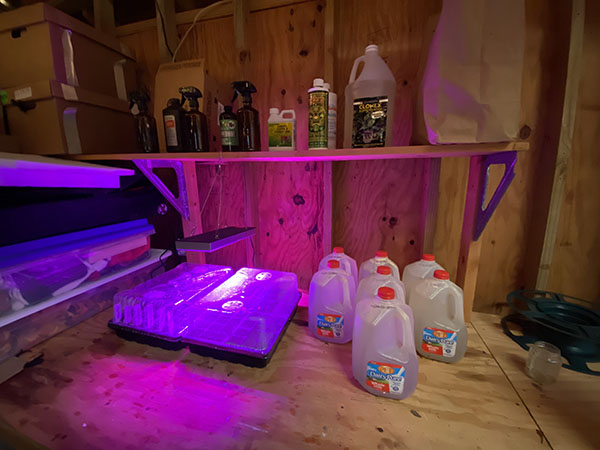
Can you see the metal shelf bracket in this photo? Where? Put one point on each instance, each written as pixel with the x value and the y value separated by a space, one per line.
pixel 180 202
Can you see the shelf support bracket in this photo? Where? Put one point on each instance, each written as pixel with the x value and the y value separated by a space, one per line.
pixel 508 159
pixel 179 202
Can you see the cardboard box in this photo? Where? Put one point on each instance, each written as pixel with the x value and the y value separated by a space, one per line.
pixel 52 118
pixel 39 43
pixel 170 77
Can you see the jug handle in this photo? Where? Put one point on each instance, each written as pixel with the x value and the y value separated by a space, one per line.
pixel 407 332
pixel 346 285
pixel 357 61
pixel 290 111
pixel 458 312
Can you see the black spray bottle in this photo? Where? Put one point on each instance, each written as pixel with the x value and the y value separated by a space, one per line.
pixel 145 125
pixel 196 125
pixel 247 117
pixel 173 117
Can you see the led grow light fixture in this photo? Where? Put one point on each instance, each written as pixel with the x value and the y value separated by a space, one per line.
pixel 214 240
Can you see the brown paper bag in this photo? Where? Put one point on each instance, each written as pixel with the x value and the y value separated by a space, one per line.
pixel 471 87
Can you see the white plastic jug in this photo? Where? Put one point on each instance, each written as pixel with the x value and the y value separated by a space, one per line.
pixel 416 271
pixel 384 360
pixel 369 267
pixel 369 286
pixel 331 304
pixel 346 262
pixel 369 111
pixel 440 331
pixel 282 129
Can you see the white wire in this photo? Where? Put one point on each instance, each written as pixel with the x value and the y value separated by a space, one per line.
pixel 198 15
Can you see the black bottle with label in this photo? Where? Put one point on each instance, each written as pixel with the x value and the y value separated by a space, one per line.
pixel 196 124
pixel 173 117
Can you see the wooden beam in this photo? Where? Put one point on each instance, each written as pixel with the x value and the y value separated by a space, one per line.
pixel 194 225
pixel 218 12
pixel 470 252
pixel 430 205
pixel 104 16
pixel 241 11
pixel 574 68
pixel 168 39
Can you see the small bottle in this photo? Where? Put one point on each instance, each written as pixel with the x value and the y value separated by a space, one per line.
pixel 173 117
pixel 248 118
pixel 282 129
pixel 229 130
pixel 145 124
pixel 332 118
pixel 196 124
pixel 318 104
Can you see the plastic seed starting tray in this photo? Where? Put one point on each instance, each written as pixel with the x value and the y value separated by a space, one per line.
pixel 237 316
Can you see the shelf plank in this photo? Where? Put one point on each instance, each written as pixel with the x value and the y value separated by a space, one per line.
pixel 406 152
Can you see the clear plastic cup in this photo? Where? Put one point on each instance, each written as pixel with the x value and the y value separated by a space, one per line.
pixel 543 362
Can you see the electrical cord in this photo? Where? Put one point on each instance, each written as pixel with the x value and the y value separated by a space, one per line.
pixel 198 15
pixel 162 21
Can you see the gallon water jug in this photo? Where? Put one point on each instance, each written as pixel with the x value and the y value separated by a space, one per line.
pixel 415 272
pixel 369 267
pixel 369 286
pixel 384 360
pixel 440 331
pixel 369 111
pixel 346 262
pixel 331 304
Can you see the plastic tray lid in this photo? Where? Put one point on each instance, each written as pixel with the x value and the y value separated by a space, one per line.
pixel 245 314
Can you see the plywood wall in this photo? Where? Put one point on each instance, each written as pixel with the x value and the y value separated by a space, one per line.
pixel 375 204
pixel 575 266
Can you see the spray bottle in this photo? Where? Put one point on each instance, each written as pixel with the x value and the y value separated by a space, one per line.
pixel 145 125
pixel 173 117
pixel 196 124
pixel 247 116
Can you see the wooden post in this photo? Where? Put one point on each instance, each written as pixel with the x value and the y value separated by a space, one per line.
pixel 574 67
pixel 104 16
pixel 166 28
pixel 192 226
pixel 329 74
pixel 241 11
pixel 470 252
pixel 430 205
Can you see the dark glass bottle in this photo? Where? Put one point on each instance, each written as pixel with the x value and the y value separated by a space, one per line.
pixel 173 117
pixel 229 130
pixel 248 118
pixel 145 124
pixel 196 124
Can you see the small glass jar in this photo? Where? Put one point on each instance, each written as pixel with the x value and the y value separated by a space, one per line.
pixel 543 362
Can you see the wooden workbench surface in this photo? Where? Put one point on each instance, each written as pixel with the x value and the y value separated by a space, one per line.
pixel 95 390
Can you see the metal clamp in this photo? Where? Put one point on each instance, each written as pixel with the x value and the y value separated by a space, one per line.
pixel 508 159
pixel 180 202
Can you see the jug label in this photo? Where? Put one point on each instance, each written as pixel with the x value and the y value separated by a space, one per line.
pixel 369 120
pixel 330 325
pixel 170 130
pixel 386 377
pixel 439 342
pixel 281 134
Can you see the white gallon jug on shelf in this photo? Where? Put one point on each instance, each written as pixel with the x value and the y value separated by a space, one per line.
pixel 369 267
pixel 384 360
pixel 331 304
pixel 369 111
pixel 440 331
pixel 418 270
pixel 346 262
pixel 383 277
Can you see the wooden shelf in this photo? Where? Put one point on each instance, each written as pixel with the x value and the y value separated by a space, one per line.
pixel 406 152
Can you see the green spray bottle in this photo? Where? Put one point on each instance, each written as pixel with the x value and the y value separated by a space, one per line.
pixel 247 117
